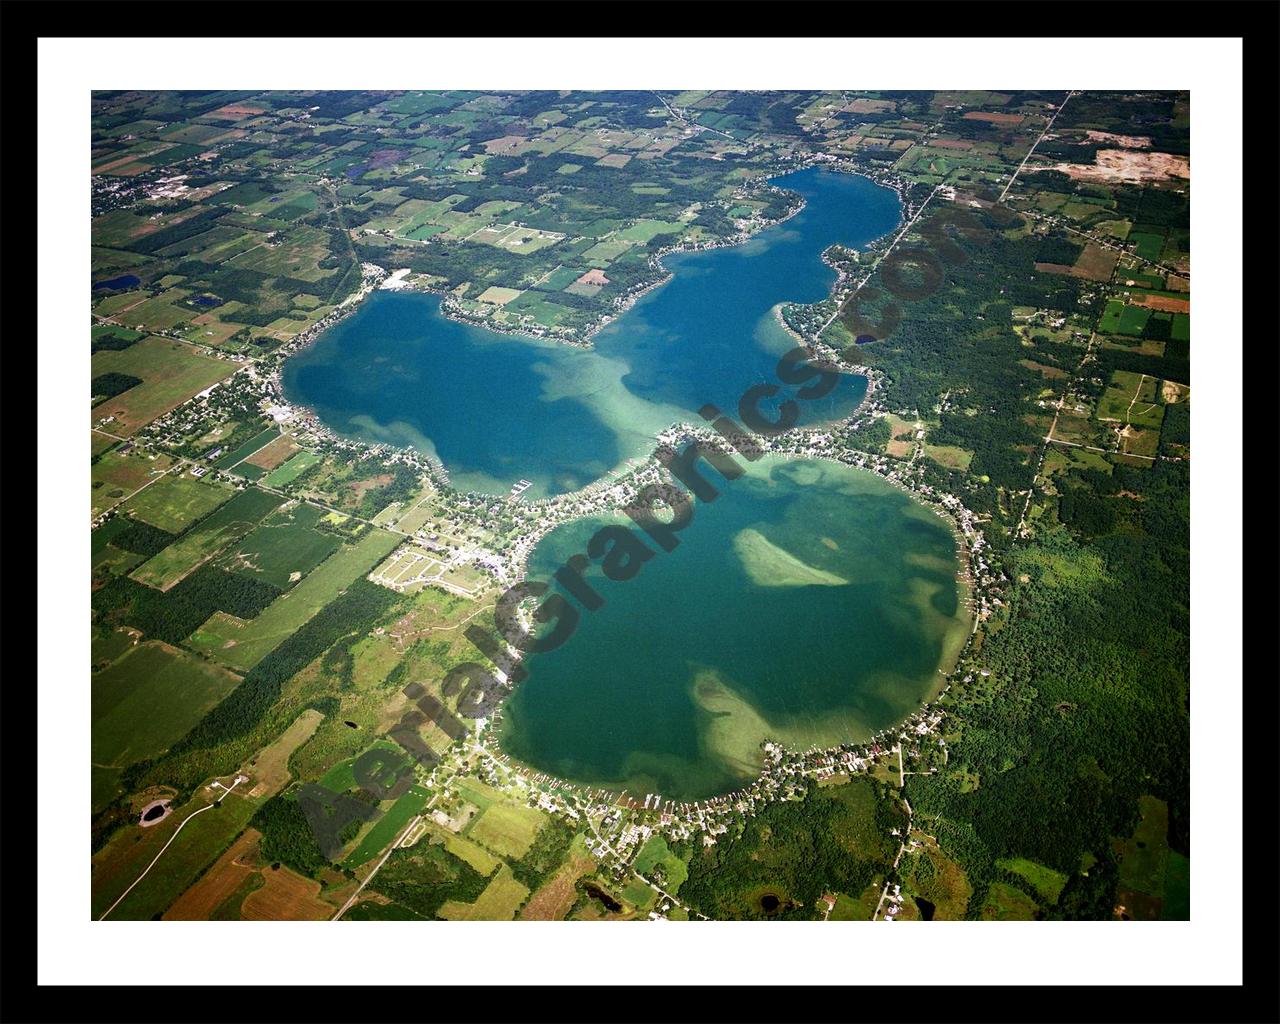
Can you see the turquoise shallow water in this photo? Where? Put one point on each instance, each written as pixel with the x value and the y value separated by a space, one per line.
pixel 811 603
pixel 499 408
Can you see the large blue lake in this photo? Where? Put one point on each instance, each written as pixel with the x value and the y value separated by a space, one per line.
pixel 498 408
pixel 811 604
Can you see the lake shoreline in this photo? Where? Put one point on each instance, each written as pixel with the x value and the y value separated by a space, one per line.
pixel 553 511
pixel 967 543
pixel 375 275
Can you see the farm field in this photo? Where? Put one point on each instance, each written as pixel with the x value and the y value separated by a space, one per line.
pixel 387 827
pixel 506 829
pixel 477 856
pixel 203 541
pixel 270 766
pixel 285 895
pixel 171 372
pixel 291 470
pixel 1121 318
pixel 177 500
pixel 241 645
pixel 149 698
pixel 500 901
pixel 117 475
pixel 274 453
pixel 229 459
pixel 1133 401
pixel 284 547
pixel 219 892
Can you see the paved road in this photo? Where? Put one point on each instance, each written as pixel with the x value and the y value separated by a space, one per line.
pixel 879 259
pixel 400 836
pixel 692 124
pixel 1039 139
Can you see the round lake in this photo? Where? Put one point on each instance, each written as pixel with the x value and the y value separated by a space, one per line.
pixel 811 603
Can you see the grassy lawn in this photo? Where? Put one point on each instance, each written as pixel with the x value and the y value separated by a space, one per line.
pixel 656 855
pixel 506 829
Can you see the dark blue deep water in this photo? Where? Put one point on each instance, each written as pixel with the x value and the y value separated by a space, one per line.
pixel 124 281
pixel 499 408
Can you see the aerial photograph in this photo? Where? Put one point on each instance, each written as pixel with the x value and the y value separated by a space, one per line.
pixel 705 505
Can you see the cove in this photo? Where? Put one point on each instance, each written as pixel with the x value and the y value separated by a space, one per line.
pixel 495 408
pixel 812 603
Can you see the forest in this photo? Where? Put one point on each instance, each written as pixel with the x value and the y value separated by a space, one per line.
pixel 789 853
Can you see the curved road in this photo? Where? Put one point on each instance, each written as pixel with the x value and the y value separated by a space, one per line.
pixel 239 779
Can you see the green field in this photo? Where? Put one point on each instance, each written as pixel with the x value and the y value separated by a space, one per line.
pixel 1047 882
pixel 477 856
pixel 1132 398
pixel 150 698
pixel 233 520
pixel 604 253
pixel 241 645
pixel 506 829
pixel 171 373
pixel 387 827
pixel 229 459
pixel 286 544
pixel 341 778
pixel 644 230
pixel 291 470
pixel 176 501
pixel 1155 882
pixel 1148 245
pixel 640 895
pixel 115 476
pixel 656 855
pixel 1119 318
pixel 558 279
pixel 114 559
pixel 1007 903
pixel 500 900
pixel 849 909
